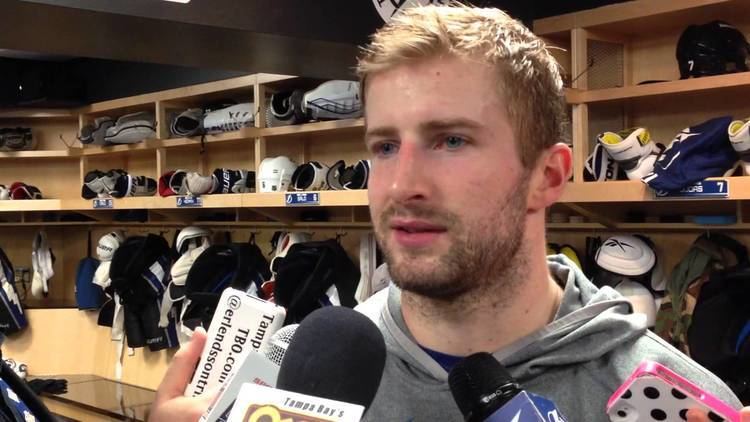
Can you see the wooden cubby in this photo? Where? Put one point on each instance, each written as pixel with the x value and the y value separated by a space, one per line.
pixel 242 149
pixel 60 162
pixel 606 52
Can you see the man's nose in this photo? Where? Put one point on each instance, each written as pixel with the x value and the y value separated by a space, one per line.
pixel 409 178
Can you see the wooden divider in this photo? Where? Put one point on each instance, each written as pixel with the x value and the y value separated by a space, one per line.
pixel 68 341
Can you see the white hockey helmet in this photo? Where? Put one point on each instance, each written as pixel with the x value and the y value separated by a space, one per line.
pixel 632 258
pixel 275 173
pixel 627 255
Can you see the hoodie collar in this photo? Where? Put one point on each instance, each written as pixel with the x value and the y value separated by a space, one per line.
pixel 589 323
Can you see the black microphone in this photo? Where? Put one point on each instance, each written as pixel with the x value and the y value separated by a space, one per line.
pixel 336 353
pixel 485 391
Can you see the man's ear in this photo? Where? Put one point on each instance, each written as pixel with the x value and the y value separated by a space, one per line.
pixel 549 177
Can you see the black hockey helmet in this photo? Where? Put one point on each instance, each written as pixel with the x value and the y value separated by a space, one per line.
pixel 705 50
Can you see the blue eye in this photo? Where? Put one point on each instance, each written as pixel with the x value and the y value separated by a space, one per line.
pixel 386 148
pixel 453 142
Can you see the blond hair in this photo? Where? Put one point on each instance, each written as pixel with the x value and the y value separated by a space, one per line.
pixel 527 74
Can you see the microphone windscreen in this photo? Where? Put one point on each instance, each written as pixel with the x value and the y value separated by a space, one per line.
pixel 475 379
pixel 279 342
pixel 336 353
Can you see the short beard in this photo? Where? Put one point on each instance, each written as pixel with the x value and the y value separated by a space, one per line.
pixel 482 258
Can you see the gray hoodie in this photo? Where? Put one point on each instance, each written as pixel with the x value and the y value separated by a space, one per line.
pixel 578 360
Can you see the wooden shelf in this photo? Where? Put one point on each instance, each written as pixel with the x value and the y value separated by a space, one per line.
pixel 680 226
pixel 152 203
pixel 176 98
pixel 118 204
pixel 693 86
pixel 216 224
pixel 188 94
pixel 152 144
pixel 31 205
pixel 330 198
pixel 195 95
pixel 61 153
pixel 38 113
pixel 146 145
pixel 643 227
pixel 642 16
pixel 240 135
pixel 313 128
pixel 588 192
pixel 592 199
pixel 246 200
pixel 145 100
pixel 637 191
pixel 612 191
pixel 235 136
pixel 267 78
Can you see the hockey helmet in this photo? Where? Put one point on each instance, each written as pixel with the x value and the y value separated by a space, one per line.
pixel 626 257
pixel 704 50
pixel 276 173
pixel 310 176
pixel 341 177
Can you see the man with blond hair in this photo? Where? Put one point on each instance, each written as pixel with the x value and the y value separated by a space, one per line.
pixel 465 118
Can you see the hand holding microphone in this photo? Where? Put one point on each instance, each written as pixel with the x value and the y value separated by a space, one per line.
pixel 170 404
pixel 330 371
pixel 239 330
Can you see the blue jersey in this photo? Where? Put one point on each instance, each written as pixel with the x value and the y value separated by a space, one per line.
pixel 697 152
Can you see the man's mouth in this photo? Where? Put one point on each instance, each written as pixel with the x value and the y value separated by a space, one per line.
pixel 416 233
pixel 415 226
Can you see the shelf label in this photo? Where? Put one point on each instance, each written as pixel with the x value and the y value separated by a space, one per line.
pixel 189 201
pixel 702 189
pixel 302 198
pixel 103 203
